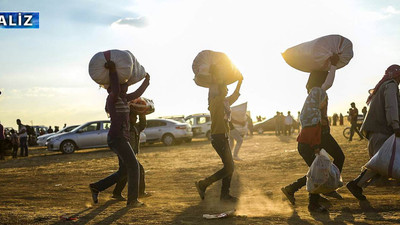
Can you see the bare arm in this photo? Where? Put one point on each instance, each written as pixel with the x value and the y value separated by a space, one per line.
pixel 232 99
pixel 114 82
pixel 329 79
pixel 140 90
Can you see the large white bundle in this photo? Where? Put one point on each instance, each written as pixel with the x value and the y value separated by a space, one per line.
pixel 386 161
pixel 323 176
pixel 315 55
pixel 123 63
pixel 239 112
pixel 138 71
pixel 225 70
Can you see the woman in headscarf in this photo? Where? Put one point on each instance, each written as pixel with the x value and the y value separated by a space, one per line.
pixel 381 121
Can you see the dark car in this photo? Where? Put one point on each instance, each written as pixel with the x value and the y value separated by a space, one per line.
pixel 269 125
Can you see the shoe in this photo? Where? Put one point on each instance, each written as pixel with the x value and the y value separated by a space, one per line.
pixel 200 189
pixel 229 198
pixel 144 195
pixel 134 204
pixel 317 208
pixel 289 195
pixel 356 190
pixel 334 194
pixel 118 197
pixel 95 193
pixel 237 158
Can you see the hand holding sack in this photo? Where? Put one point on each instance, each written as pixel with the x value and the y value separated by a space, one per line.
pixel 323 176
pixel 127 67
pixel 316 55
pixel 214 67
pixel 386 161
pixel 142 106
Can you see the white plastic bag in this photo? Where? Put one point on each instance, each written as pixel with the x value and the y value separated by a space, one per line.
pixel 123 63
pixel 323 176
pixel 315 55
pixel 386 161
pixel 142 106
pixel 138 71
pixel 225 70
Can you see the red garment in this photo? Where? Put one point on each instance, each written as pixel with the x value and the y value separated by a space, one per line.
pixel 310 136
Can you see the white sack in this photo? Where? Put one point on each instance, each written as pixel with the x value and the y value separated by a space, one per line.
pixel 138 71
pixel 386 161
pixel 239 112
pixel 226 71
pixel 315 55
pixel 123 63
pixel 323 176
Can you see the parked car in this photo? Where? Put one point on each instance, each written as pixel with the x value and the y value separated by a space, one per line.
pixel 89 135
pixel 269 125
pixel 41 140
pixel 201 125
pixel 167 131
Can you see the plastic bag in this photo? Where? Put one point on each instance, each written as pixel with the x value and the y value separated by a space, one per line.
pixel 123 63
pixel 142 106
pixel 323 176
pixel 315 55
pixel 225 70
pixel 386 161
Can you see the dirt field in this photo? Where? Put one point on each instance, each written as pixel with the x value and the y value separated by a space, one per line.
pixel 41 188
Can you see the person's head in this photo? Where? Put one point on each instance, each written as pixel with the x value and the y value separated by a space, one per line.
pixel 18 121
pixel 316 79
pixel 12 131
pixel 288 112
pixel 393 72
pixel 353 105
pixel 277 113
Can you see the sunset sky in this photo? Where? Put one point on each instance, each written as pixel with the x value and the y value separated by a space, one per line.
pixel 44 74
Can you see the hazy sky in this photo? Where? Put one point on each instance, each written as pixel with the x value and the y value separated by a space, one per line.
pixel 44 74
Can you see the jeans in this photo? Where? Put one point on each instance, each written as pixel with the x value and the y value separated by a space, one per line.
pixel 307 153
pixel 235 136
pixel 221 145
pixel 354 128
pixel 23 146
pixel 128 167
pixel 122 182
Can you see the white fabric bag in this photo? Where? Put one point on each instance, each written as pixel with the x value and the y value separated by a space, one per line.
pixel 315 55
pixel 123 63
pixel 386 161
pixel 138 71
pixel 323 176
pixel 225 70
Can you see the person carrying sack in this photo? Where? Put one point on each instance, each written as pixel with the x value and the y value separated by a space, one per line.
pixel 219 107
pixel 381 121
pixel 315 133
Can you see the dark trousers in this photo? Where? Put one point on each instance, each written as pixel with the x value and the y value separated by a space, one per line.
pixel 128 167
pixel 288 129
pixel 2 149
pixel 307 153
pixel 119 187
pixel 15 151
pixel 24 146
pixel 220 142
pixel 354 128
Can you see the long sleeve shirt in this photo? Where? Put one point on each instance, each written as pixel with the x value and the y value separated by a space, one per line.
pixel 118 108
pixel 219 125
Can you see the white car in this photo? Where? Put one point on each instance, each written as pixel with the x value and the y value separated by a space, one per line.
pixel 167 131
pixel 42 139
pixel 201 124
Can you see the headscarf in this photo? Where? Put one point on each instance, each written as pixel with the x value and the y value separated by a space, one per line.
pixel 391 72
pixel 311 112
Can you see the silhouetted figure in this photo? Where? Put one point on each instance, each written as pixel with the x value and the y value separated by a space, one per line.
pixel 14 143
pixel 249 124
pixel 277 124
pixel 364 111
pixel 353 121
pixel 288 124
pixel 23 138
pixel 341 119
pixel 56 129
pixel 65 125
pixel 50 130
pixel 334 119
pixel 2 140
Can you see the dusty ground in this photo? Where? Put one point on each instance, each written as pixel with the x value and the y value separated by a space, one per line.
pixel 41 188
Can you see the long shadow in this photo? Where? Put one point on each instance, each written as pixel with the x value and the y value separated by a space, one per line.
pixel 115 216
pixel 296 220
pixel 91 215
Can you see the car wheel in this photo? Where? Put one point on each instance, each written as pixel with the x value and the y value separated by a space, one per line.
pixel 260 131
pixel 68 147
pixel 208 135
pixel 168 139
